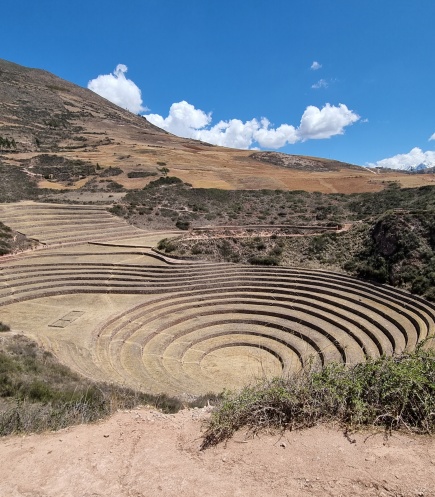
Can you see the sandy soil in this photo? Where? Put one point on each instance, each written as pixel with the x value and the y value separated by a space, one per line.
pixel 145 453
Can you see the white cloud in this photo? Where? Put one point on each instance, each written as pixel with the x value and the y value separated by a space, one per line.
pixel 432 137
pixel 412 160
pixel 315 66
pixel 187 121
pixel 183 119
pixel 233 133
pixel 322 83
pixel 275 138
pixel 118 89
pixel 326 122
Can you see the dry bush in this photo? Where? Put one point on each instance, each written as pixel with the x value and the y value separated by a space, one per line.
pixel 390 392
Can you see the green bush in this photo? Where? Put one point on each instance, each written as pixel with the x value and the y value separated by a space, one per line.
pixel 118 210
pixel 182 224
pixel 267 260
pixel 140 174
pixel 390 392
pixel 163 181
pixel 166 245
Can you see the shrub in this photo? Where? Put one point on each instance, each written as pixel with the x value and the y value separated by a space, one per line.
pixel 277 250
pixel 111 171
pixel 4 327
pixel 267 260
pixel 113 186
pixel 166 245
pixel 118 210
pixel 196 249
pixel 390 392
pixel 163 181
pixel 182 224
pixel 140 174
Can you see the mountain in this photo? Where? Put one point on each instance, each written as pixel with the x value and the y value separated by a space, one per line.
pixel 44 113
pixel 420 168
pixel 44 119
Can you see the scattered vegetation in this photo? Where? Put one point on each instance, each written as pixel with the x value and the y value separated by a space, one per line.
pixel 58 168
pixel 399 249
pixel 99 185
pixel 112 186
pixel 141 174
pixel 390 392
pixel 111 171
pixel 392 239
pixel 16 184
pixel 12 241
pixel 118 210
pixel 211 206
pixel 163 181
pixel 37 393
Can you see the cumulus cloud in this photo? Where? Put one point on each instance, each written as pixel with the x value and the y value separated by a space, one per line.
pixel 326 122
pixel 315 66
pixel 322 83
pixel 432 137
pixel 414 159
pixel 118 89
pixel 187 121
pixel 275 138
pixel 183 119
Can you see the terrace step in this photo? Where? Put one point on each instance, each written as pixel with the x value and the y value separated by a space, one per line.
pixel 198 314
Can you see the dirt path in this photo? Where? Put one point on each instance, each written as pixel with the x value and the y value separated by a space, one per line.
pixel 145 453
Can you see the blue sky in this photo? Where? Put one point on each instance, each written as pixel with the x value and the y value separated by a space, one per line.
pixel 236 62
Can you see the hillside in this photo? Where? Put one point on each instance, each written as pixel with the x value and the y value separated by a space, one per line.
pixel 41 114
pixel 387 236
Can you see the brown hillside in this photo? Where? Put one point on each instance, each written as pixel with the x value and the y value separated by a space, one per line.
pixel 44 114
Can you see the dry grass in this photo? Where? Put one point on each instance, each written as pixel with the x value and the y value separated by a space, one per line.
pixel 233 170
pixel 38 393
pixel 390 392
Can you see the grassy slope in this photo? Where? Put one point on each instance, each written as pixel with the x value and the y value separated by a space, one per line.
pixel 12 241
pixel 37 393
pixel 16 184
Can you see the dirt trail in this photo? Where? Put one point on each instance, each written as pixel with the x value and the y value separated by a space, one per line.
pixel 145 453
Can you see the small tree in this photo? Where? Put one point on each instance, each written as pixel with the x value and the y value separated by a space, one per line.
pixel 163 170
pixel 6 143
